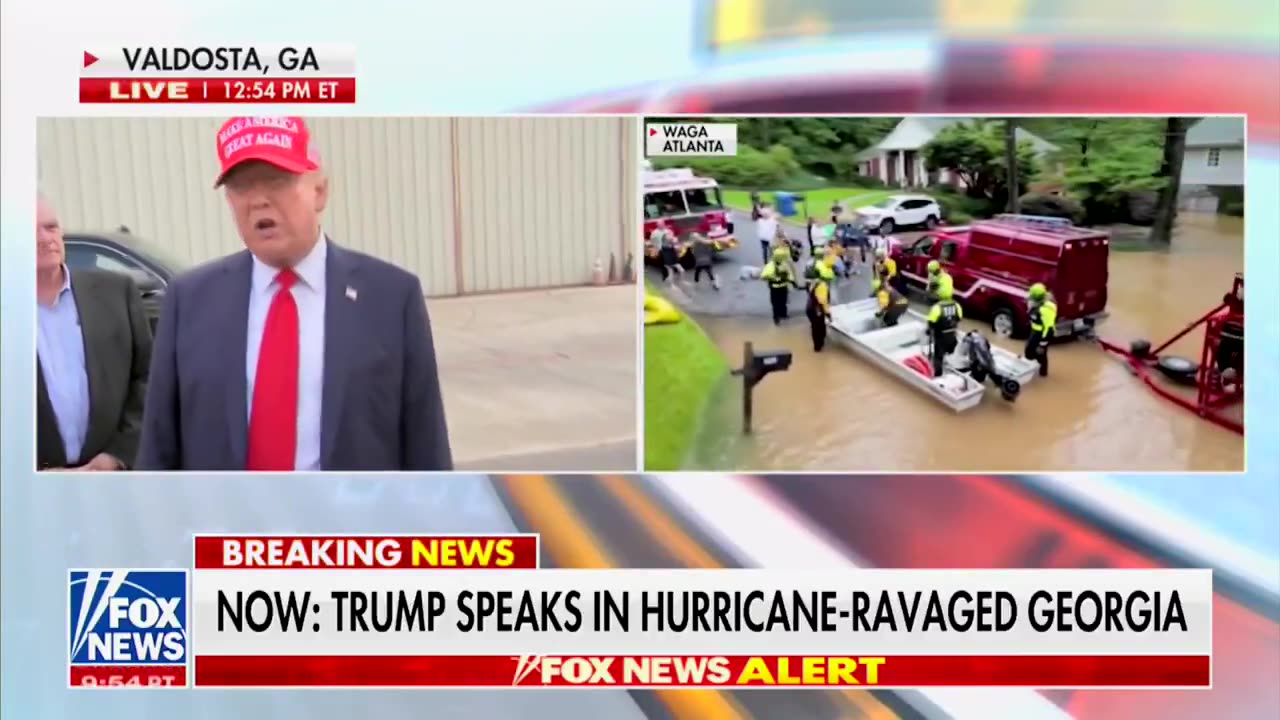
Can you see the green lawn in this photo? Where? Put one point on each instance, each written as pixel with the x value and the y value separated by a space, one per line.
pixel 681 369
pixel 817 202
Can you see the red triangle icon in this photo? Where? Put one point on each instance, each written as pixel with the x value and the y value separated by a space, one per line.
pixel 89 58
pixel 652 132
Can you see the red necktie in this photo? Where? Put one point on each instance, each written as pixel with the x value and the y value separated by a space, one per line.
pixel 273 419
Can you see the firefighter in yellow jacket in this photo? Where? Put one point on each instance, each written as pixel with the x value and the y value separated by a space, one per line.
pixel 779 274
pixel 944 323
pixel 893 304
pixel 938 278
pixel 1043 313
pixel 818 308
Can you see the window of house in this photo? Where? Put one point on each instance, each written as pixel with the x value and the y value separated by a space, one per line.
pixel 1213 157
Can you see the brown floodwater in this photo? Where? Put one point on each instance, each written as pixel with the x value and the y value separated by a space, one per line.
pixel 832 411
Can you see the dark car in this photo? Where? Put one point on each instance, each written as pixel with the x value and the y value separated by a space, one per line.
pixel 149 265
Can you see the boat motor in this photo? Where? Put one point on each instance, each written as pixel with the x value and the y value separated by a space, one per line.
pixel 975 350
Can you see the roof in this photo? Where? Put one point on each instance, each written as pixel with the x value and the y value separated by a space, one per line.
pixel 1216 132
pixel 913 133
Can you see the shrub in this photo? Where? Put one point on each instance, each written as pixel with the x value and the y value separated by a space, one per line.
pixel 870 182
pixel 1059 206
pixel 958 217
pixel 955 204
pixel 1234 209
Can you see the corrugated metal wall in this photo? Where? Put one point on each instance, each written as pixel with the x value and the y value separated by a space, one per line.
pixel 469 204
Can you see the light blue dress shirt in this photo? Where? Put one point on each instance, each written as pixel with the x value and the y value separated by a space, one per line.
pixel 308 293
pixel 60 349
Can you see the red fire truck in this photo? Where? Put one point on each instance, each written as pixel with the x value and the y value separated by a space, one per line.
pixel 687 204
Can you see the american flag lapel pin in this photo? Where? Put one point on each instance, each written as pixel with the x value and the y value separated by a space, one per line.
pixel 352 295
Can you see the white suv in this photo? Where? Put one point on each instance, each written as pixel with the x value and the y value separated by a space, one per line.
pixel 898 211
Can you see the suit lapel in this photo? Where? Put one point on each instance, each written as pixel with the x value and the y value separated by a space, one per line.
pixel 231 323
pixel 49 447
pixel 341 328
pixel 95 329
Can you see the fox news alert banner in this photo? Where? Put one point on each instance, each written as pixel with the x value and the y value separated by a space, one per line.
pixel 270 74
pixel 434 611
pixel 710 139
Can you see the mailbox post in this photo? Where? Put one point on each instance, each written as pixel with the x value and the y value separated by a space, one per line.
pixel 754 369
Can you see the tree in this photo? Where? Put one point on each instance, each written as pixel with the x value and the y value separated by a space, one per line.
pixel 1011 161
pixel 1107 162
pixel 976 153
pixel 1175 147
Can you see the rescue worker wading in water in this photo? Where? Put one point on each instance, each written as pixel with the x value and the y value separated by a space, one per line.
pixel 944 321
pixel 938 278
pixel 1043 313
pixel 818 308
pixel 781 278
pixel 893 304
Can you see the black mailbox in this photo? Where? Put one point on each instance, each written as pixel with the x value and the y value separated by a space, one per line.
pixel 763 363
pixel 755 366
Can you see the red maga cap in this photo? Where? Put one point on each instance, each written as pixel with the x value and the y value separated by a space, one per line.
pixel 281 141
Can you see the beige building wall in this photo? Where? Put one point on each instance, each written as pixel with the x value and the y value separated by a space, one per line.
pixel 469 204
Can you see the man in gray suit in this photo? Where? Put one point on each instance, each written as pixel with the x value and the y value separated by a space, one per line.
pixel 93 343
pixel 295 353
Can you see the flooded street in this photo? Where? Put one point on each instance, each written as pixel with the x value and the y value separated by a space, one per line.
pixel 832 411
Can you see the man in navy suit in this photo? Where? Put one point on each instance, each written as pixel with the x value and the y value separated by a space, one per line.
pixel 295 353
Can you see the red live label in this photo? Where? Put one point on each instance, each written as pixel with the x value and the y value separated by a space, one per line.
pixel 218 90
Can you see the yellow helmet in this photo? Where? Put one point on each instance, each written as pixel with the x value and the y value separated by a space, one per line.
pixel 1038 291
pixel 944 293
pixel 875 285
pixel 781 253
pixel 935 267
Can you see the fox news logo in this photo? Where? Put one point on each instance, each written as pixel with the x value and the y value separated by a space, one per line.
pixel 127 628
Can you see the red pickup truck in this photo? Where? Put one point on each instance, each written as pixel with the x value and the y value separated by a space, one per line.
pixel 994 262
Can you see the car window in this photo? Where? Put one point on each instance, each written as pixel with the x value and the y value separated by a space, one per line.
pixel 703 200
pixel 99 257
pixel 948 252
pixel 664 204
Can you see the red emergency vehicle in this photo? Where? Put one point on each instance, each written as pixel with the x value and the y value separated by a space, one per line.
pixel 994 262
pixel 688 204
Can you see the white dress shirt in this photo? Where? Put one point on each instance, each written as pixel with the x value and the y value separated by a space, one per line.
pixel 308 293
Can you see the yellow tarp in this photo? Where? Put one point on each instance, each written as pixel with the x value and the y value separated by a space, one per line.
pixel 659 311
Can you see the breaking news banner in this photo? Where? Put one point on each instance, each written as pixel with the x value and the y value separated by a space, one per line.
pixel 283 74
pixel 691 139
pixel 479 612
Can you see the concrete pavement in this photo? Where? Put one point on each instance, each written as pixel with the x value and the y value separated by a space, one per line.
pixel 540 377
pixel 610 457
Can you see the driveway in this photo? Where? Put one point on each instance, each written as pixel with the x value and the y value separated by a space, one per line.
pixel 540 377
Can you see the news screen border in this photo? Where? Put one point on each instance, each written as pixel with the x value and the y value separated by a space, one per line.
pixel 479 611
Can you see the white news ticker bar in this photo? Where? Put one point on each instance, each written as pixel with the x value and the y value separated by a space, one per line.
pixel 320 636
pixel 761 532
pixel 332 60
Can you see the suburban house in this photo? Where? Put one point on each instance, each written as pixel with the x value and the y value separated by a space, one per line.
pixel 1213 165
pixel 898 160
